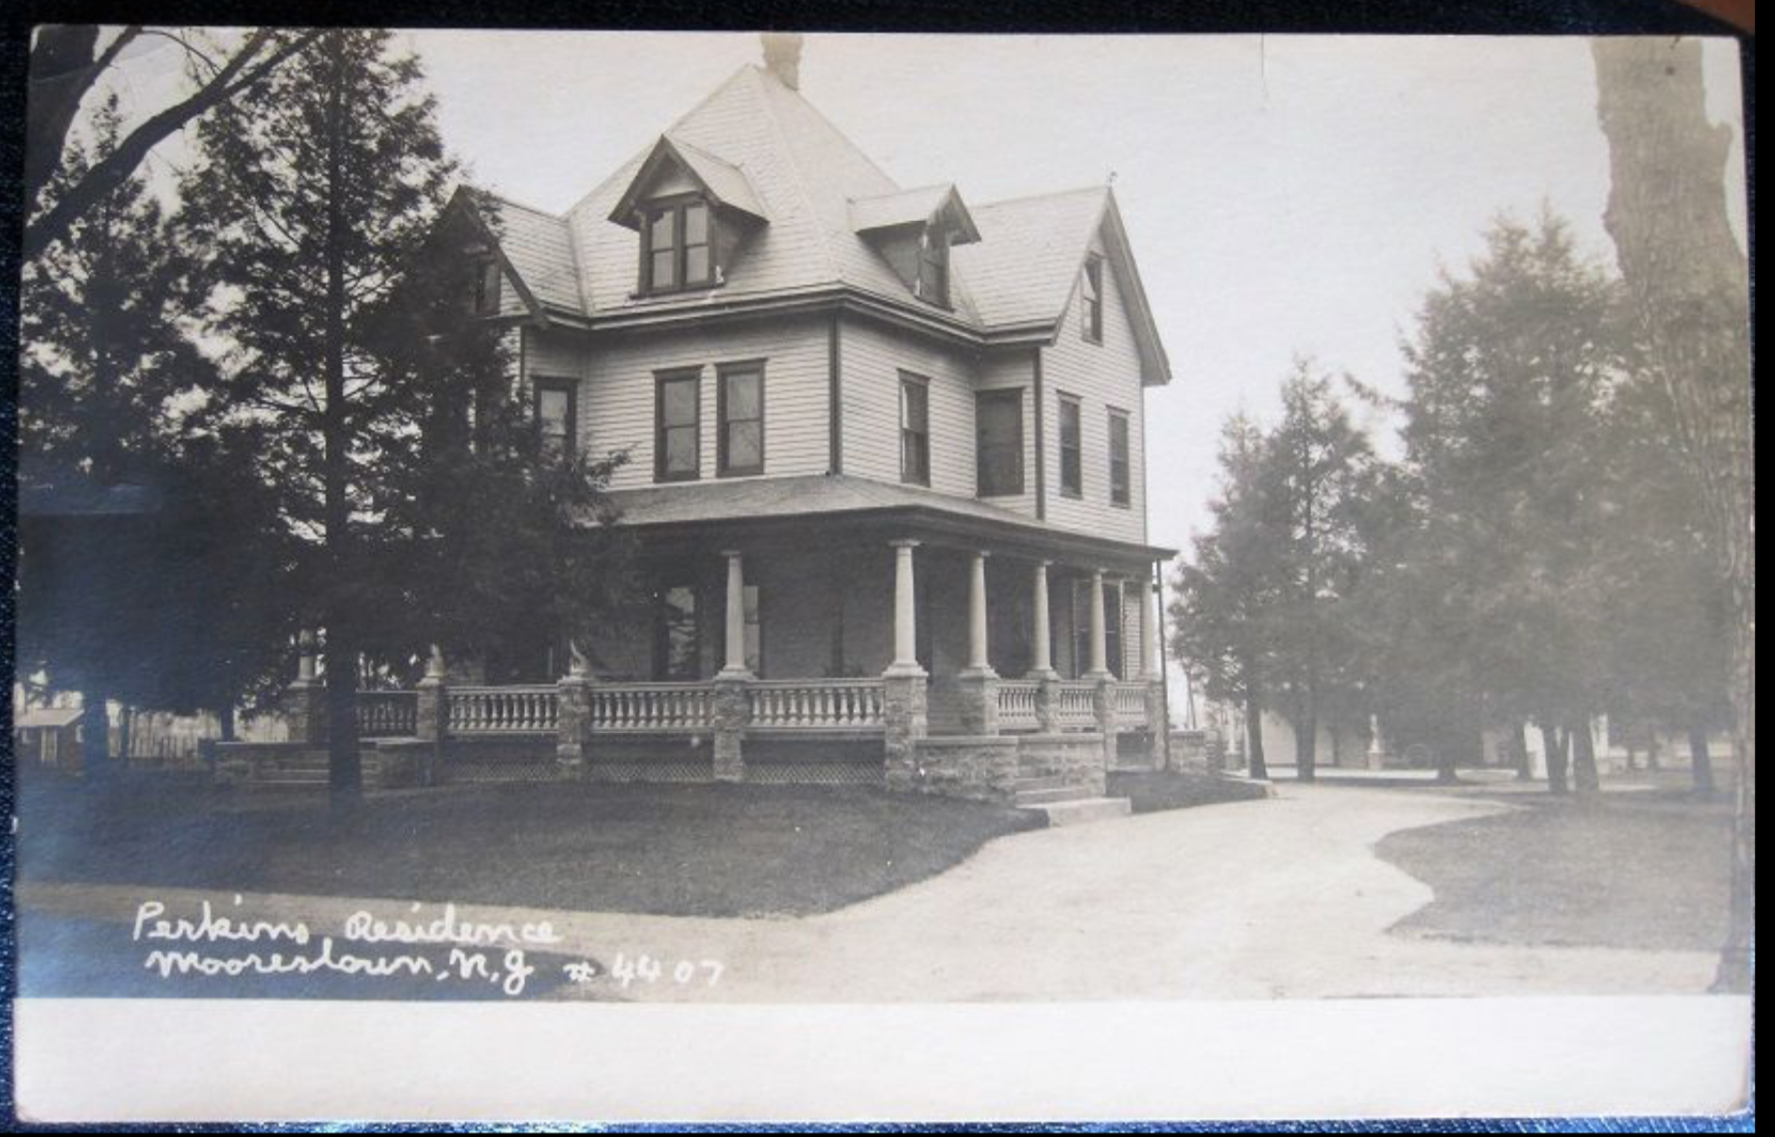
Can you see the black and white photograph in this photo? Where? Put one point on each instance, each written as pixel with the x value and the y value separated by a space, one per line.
pixel 570 574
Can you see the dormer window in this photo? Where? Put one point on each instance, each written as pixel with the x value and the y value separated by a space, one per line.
pixel 933 266
pixel 678 250
pixel 484 273
pixel 1092 286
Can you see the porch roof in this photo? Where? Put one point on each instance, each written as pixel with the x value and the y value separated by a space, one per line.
pixel 761 501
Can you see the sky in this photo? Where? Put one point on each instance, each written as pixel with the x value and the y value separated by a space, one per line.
pixel 1284 195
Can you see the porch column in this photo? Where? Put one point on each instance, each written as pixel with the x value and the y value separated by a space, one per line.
pixel 1149 640
pixel 1099 651
pixel 1103 694
pixel 1047 680
pixel 1157 725
pixel 978 682
pixel 905 613
pixel 904 718
pixel 735 665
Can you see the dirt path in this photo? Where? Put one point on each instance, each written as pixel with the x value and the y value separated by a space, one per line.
pixel 1278 898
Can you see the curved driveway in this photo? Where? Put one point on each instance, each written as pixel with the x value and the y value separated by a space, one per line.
pixel 1276 898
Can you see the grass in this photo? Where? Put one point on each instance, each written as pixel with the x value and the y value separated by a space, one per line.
pixel 682 850
pixel 1647 870
pixel 1179 789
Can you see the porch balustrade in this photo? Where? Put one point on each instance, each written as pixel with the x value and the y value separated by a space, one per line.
pixel 387 714
pixel 652 707
pixel 1017 704
pixel 1131 705
pixel 816 704
pixel 1076 712
pixel 503 710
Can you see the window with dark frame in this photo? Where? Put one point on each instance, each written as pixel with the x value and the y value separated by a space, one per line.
pixel 915 429
pixel 1072 448
pixel 740 412
pixel 1092 321
pixel 554 406
pixel 678 634
pixel 1119 490
pixel 998 442
pixel 1113 616
pixel 678 431
pixel 933 266
pixel 484 289
pixel 677 246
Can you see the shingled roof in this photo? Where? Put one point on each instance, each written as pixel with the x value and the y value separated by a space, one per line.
pixel 781 160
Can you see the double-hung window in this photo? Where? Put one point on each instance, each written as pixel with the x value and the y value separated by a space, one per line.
pixel 1119 488
pixel 998 446
pixel 677 250
pixel 553 409
pixel 678 426
pixel 933 266
pixel 740 411
pixel 1072 448
pixel 915 429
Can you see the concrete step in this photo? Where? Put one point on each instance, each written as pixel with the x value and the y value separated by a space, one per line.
pixel 1049 794
pixel 1084 810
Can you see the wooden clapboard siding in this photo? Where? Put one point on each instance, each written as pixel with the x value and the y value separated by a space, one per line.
pixel 873 358
pixel 616 394
pixel 1101 376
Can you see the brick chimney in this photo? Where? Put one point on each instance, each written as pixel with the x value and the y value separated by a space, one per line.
pixel 782 55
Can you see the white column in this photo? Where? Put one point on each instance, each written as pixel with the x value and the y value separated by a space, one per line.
pixel 434 663
pixel 736 614
pixel 905 612
pixel 978 656
pixel 1044 661
pixel 1149 640
pixel 305 658
pixel 1099 649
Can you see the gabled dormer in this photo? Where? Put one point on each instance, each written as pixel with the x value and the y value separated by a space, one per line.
pixel 913 231
pixel 693 212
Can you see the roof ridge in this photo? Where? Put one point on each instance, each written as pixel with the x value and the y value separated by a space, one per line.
pixel 908 189
pixel 1020 198
pixel 648 147
pixel 827 122
pixel 799 177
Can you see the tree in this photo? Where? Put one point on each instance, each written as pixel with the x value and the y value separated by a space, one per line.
pixel 1510 372
pixel 1319 475
pixel 1221 616
pixel 311 190
pixel 65 64
pixel 134 539
pixel 1688 287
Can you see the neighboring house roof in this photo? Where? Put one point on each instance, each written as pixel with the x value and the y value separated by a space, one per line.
pixel 758 146
pixel 765 499
pixel 37 717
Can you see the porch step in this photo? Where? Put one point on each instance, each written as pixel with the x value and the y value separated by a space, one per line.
pixel 1082 810
pixel 1045 795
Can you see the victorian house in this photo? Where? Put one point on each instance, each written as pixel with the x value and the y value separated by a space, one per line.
pixel 886 458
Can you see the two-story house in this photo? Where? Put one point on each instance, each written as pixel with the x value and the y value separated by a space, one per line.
pixel 873 432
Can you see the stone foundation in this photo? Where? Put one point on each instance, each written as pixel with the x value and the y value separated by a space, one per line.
pixel 1079 758
pixel 979 768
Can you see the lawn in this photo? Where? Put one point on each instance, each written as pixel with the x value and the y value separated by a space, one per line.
pixel 1647 870
pixel 687 850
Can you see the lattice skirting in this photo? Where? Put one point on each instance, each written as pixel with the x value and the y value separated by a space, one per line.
pixel 815 773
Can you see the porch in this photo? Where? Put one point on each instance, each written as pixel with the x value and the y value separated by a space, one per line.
pixel 855 651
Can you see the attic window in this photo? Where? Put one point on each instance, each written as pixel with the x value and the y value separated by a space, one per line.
pixel 483 296
pixel 933 266
pixel 1093 293
pixel 677 246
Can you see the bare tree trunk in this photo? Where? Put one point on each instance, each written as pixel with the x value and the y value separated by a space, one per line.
pixel 1256 767
pixel 1554 746
pixel 1689 286
pixel 1584 775
pixel 95 735
pixel 1525 770
pixel 1700 761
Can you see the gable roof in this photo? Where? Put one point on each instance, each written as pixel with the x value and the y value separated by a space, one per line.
pixel 913 207
pixel 726 183
pixel 757 145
